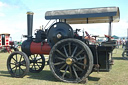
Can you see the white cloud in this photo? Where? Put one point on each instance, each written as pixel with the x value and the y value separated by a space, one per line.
pixel 8 5
pixel 2 14
pixel 3 4
pixel 120 29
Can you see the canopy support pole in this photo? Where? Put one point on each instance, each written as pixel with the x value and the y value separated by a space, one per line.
pixel 110 28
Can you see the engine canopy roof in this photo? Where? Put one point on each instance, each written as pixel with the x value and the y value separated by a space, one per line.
pixel 85 15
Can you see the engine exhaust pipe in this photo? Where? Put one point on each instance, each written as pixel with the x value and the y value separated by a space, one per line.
pixel 29 25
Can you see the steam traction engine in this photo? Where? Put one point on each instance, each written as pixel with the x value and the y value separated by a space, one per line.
pixel 71 57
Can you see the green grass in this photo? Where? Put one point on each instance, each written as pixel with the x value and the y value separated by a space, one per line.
pixel 117 76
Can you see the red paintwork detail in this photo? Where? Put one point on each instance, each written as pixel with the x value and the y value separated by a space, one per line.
pixel 7 40
pixel 36 48
pixel 0 43
pixel 0 40
pixel 7 43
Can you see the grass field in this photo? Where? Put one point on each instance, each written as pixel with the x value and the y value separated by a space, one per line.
pixel 117 76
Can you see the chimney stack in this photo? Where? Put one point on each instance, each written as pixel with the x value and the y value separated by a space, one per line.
pixel 29 25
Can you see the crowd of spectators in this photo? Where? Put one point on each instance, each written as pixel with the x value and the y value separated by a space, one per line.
pixel 121 42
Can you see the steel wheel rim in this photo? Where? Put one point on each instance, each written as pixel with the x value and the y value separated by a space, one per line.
pixel 17 65
pixel 76 69
pixel 125 55
pixel 36 63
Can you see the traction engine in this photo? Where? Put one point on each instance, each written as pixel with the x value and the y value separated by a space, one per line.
pixel 71 57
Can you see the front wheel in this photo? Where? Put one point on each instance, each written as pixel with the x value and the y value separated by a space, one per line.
pixel 71 60
pixel 18 64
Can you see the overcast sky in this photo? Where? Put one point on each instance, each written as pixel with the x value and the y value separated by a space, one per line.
pixel 13 18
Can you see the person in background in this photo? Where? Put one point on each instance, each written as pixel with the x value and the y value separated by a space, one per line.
pixel 118 43
pixel 123 42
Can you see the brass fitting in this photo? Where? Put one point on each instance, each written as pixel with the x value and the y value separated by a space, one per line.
pixel 30 13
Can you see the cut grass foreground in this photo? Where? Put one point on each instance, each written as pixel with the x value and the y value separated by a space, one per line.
pixel 117 76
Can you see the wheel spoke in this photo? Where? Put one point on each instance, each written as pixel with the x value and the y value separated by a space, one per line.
pixel 70 70
pixel 12 63
pixel 21 69
pixel 59 63
pixel 80 58
pixel 13 67
pixel 75 72
pixel 60 58
pixel 79 53
pixel 74 51
pixel 65 72
pixel 65 51
pixel 23 63
pixel 60 53
pixel 14 59
pixel 37 65
pixel 34 66
pixel 63 66
pixel 78 67
pixel 20 58
pixel 31 57
pixel 36 55
pixel 69 48
pixel 38 59
pixel 39 62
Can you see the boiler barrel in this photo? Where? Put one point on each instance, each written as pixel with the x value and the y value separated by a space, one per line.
pixel 36 48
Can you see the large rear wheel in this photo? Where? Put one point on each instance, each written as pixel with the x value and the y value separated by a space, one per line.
pixel 71 60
